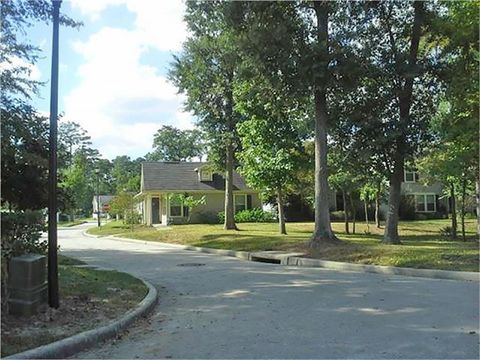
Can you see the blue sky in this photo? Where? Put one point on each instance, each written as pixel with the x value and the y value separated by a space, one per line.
pixel 113 70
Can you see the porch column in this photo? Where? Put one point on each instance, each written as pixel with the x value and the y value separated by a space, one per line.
pixel 148 210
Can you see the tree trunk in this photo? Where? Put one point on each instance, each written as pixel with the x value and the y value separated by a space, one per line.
pixel 366 215
pixel 477 198
pixel 229 210
pixel 354 213
pixel 377 209
pixel 229 205
pixel 281 215
pixel 462 213
pixel 323 228
pixel 391 227
pixel 345 212
pixel 405 102
pixel 453 210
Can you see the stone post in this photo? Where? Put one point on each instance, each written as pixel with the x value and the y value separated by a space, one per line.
pixel 27 284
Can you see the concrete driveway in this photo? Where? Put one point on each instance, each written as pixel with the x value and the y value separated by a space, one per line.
pixel 220 307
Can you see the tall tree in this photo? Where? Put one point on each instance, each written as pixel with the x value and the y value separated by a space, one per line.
pixel 71 135
pixel 207 71
pixel 305 47
pixel 24 161
pixel 457 36
pixel 172 144
pixel 399 87
pixel 270 140
pixel 125 173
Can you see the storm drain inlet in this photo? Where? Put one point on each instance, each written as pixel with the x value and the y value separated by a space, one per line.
pixel 191 264
pixel 267 260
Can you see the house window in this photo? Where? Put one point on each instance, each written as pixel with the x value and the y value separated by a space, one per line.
pixel 176 208
pixel 240 202
pixel 206 175
pixel 410 176
pixel 425 203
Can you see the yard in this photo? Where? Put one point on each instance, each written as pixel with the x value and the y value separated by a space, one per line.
pixel 89 297
pixel 422 244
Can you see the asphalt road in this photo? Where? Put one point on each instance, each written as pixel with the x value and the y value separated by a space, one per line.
pixel 219 307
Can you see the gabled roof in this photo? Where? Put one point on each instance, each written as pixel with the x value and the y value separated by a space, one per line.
pixel 103 199
pixel 183 176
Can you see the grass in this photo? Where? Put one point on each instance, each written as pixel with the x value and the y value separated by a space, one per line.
pixel 88 298
pixel 71 223
pixel 422 244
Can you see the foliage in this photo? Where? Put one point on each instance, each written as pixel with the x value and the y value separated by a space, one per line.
pixel 21 233
pixel 17 54
pixel 208 71
pixel 407 207
pixel 270 141
pixel 24 160
pixel 123 204
pixel 188 201
pixel 250 216
pixel 338 215
pixel 70 136
pixel 125 174
pixel 172 144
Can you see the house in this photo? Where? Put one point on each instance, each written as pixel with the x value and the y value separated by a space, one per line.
pixel 427 200
pixel 417 199
pixel 104 201
pixel 161 179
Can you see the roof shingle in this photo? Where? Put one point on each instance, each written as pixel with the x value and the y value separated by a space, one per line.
pixel 182 176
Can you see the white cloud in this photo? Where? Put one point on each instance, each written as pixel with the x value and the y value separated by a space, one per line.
pixel 32 70
pixel 93 8
pixel 119 101
pixel 158 22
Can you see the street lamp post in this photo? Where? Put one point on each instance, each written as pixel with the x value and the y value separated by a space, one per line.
pixel 97 171
pixel 53 297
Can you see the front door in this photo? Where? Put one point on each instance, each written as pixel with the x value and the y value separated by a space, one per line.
pixel 155 210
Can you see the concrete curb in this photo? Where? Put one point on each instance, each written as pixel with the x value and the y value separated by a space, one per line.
pixel 387 270
pixel 67 347
pixel 326 264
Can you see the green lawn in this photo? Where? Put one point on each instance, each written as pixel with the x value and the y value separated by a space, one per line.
pixel 88 298
pixel 71 223
pixel 422 244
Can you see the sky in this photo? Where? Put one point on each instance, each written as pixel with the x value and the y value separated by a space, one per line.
pixel 113 71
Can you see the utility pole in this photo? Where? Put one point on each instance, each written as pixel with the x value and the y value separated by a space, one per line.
pixel 53 298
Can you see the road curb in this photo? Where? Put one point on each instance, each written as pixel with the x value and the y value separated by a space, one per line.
pixel 67 347
pixel 326 264
pixel 387 270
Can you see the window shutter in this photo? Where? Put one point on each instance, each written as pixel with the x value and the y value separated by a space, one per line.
pixel 249 201
pixel 185 211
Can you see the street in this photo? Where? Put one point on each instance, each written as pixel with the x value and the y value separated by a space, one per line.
pixel 219 307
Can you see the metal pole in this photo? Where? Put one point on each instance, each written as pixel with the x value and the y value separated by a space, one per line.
pixel 53 298
pixel 98 200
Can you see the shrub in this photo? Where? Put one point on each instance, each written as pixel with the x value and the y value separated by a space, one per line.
pixel 207 217
pixel 446 231
pixel 250 215
pixel 21 232
pixel 406 210
pixel 132 217
pixel 337 215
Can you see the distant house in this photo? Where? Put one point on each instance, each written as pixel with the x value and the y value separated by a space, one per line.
pixel 417 200
pixel 427 199
pixel 161 179
pixel 104 201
